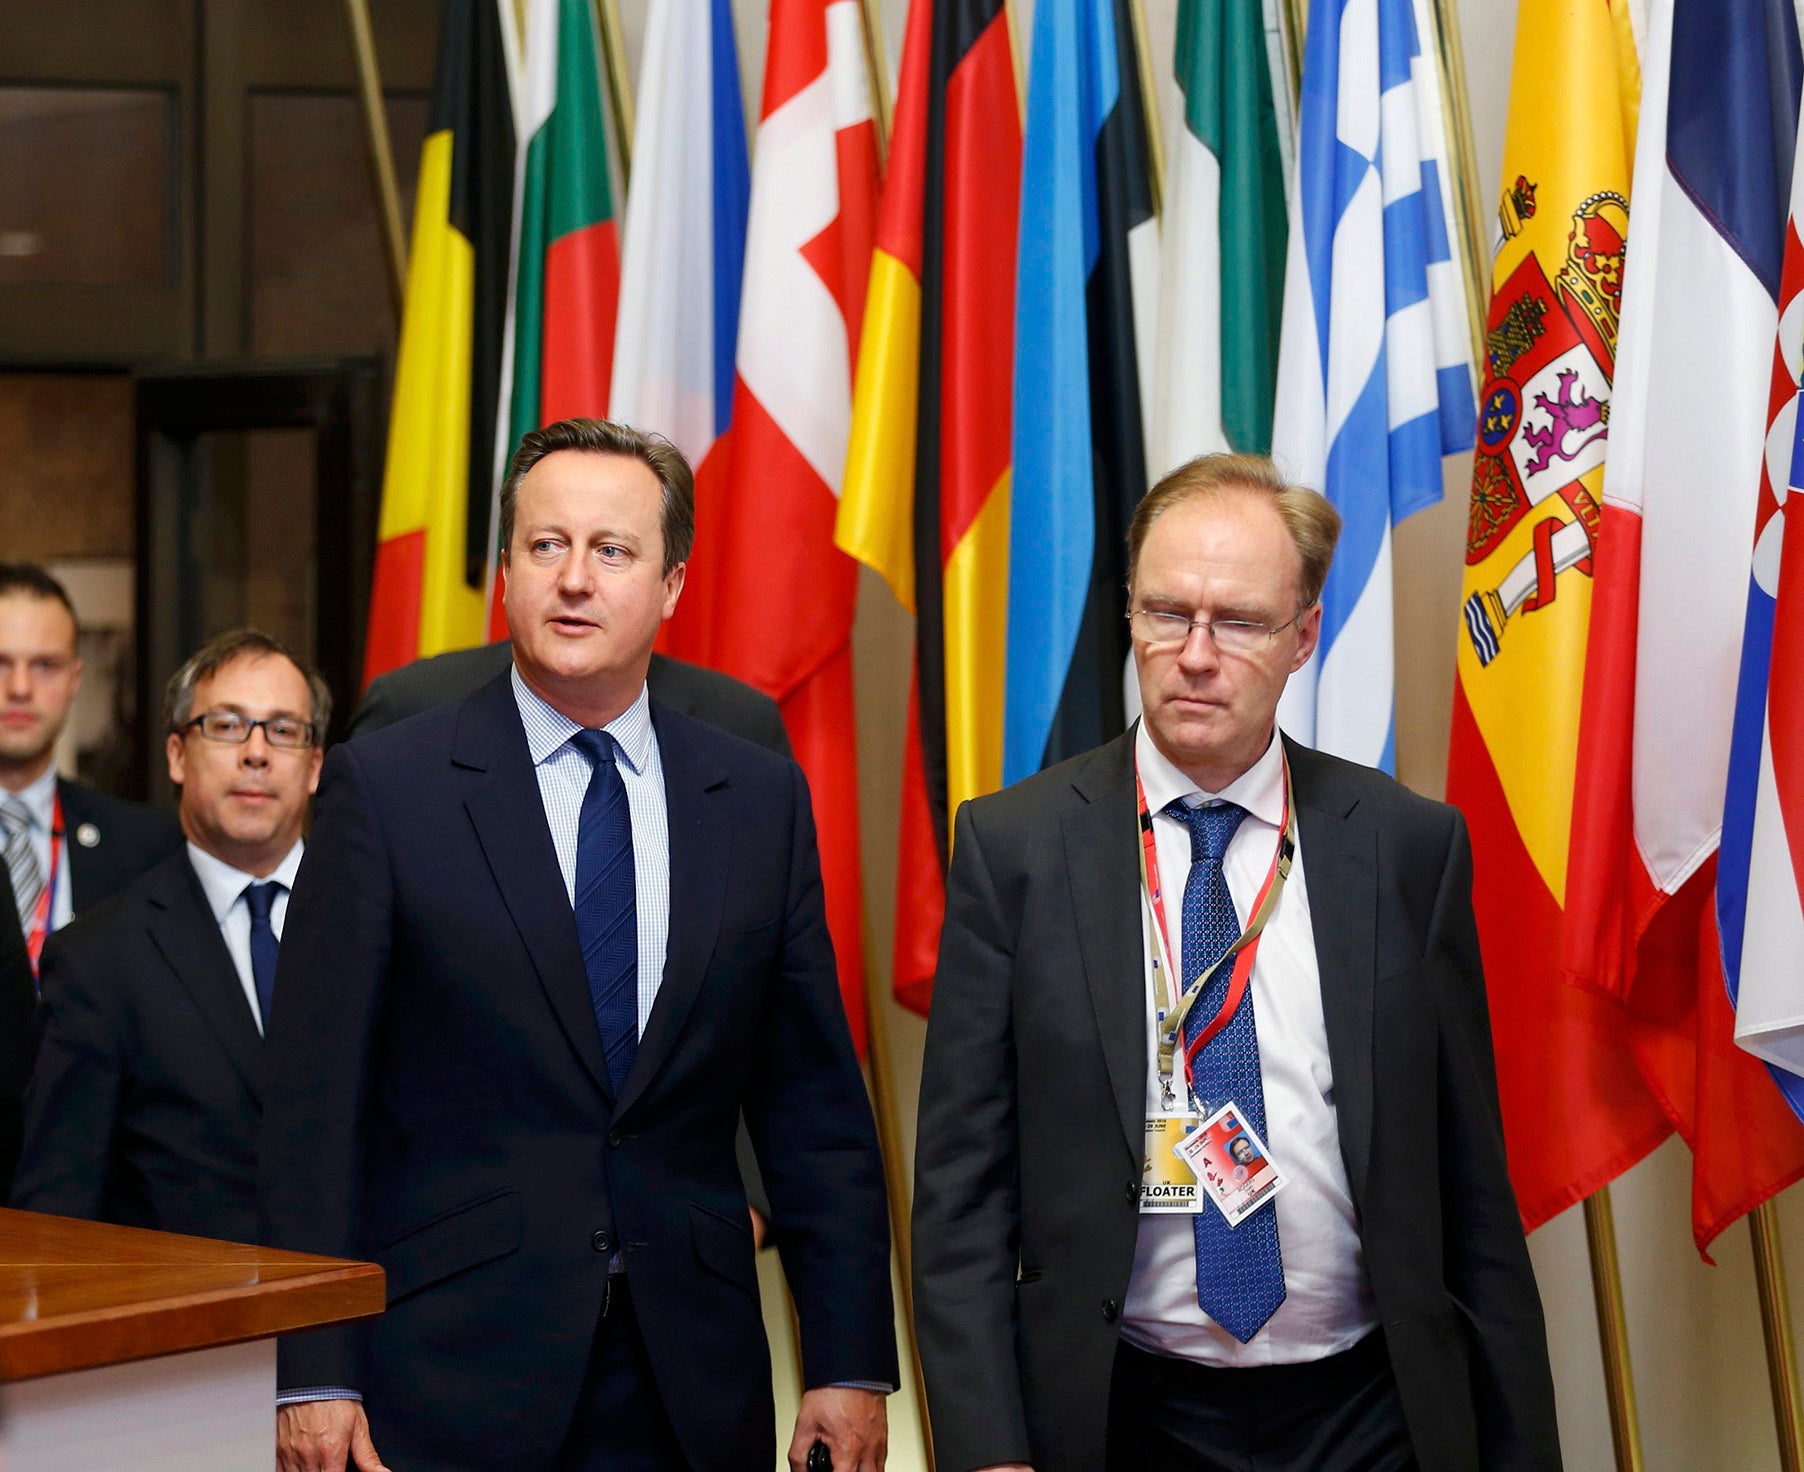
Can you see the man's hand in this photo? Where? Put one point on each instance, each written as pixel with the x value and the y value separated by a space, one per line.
pixel 317 1435
pixel 853 1423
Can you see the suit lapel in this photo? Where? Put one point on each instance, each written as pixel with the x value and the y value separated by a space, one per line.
pixel 1340 858
pixel 81 859
pixel 508 813
pixel 1105 901
pixel 184 931
pixel 700 855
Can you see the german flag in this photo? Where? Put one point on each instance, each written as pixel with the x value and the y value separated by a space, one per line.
pixel 926 495
pixel 433 537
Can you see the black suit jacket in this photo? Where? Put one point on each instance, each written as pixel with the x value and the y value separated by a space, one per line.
pixel 1032 1103
pixel 144 1104
pixel 688 689
pixel 18 1000
pixel 110 841
pixel 438 1100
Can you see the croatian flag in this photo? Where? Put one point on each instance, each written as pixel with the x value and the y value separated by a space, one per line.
pixel 1759 906
pixel 681 262
pixel 1374 370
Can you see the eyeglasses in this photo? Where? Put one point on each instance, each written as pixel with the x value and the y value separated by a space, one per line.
pixel 1162 629
pixel 231 729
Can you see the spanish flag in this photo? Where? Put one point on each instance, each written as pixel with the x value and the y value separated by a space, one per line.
pixel 433 537
pixel 1540 542
pixel 926 494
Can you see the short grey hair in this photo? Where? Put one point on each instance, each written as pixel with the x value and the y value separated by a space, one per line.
pixel 216 654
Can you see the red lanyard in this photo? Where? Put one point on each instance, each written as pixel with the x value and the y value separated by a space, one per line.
pixel 42 916
pixel 1172 1012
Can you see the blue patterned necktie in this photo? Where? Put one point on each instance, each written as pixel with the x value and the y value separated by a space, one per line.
pixel 1239 1270
pixel 607 915
pixel 260 899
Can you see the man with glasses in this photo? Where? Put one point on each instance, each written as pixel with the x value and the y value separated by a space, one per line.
pixel 146 1100
pixel 1204 931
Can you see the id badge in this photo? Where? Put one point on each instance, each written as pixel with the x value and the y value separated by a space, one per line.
pixel 1231 1164
pixel 1167 1183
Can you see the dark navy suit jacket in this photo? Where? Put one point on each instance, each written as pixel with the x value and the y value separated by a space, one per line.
pixel 437 1100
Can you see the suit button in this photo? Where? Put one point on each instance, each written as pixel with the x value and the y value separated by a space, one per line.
pixel 1111 1310
pixel 1133 1193
pixel 602 1242
pixel 613 1139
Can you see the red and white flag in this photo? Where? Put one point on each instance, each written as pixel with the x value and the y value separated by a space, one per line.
pixel 785 595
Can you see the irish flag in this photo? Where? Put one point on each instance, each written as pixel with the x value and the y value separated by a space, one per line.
pixel 1221 280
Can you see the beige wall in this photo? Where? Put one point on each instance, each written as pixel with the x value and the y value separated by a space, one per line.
pixel 1694 1330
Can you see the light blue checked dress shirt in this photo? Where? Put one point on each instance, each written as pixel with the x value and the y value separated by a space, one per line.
pixel 564 773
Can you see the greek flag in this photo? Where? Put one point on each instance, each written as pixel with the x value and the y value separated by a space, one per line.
pixel 1374 370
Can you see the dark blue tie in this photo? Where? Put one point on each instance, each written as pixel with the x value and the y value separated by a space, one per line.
pixel 607 916
pixel 1239 1270
pixel 260 899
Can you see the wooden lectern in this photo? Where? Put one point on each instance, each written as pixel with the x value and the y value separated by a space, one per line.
pixel 144 1351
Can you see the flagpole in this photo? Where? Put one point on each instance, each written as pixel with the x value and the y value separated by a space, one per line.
pixel 1296 18
pixel 876 73
pixel 381 150
pixel 1775 1324
pixel 1612 1330
pixel 620 87
pixel 1468 205
pixel 889 1141
pixel 1149 101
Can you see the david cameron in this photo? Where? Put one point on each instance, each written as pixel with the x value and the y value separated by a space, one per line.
pixel 547 944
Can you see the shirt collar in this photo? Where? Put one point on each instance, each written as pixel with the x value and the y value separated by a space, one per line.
pixel 548 728
pixel 40 798
pixel 1259 789
pixel 222 884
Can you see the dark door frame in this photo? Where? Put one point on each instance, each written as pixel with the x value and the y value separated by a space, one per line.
pixel 342 401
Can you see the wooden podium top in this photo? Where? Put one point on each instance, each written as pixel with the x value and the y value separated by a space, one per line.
pixel 75 1295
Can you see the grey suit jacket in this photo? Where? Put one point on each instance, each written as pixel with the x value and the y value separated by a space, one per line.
pixel 1032 1093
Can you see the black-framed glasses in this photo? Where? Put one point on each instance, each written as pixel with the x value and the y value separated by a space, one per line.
pixel 1164 628
pixel 231 729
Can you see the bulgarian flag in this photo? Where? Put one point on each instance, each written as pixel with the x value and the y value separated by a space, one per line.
pixel 567 246
pixel 807 258
pixel 432 553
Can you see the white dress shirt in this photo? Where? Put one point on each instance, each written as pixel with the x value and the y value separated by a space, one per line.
pixel 224 888
pixel 1328 1302
pixel 564 772
pixel 40 802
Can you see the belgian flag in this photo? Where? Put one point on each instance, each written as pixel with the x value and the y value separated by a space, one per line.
pixel 433 540
pixel 926 495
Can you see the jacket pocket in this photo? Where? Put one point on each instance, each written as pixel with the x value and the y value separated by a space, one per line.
pixel 464 1237
pixel 725 1247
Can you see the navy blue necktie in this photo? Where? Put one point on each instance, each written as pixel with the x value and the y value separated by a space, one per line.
pixel 1239 1270
pixel 260 899
pixel 607 915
